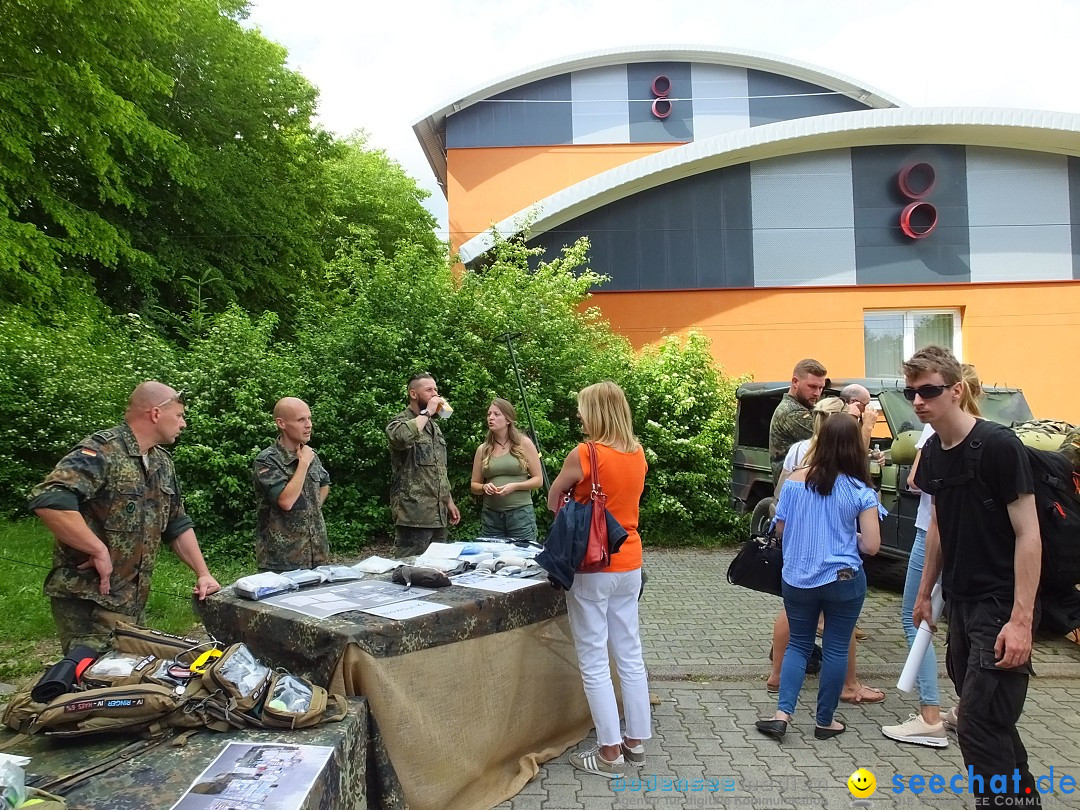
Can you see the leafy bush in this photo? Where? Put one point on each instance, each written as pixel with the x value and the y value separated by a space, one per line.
pixel 684 410
pixel 233 375
pixel 61 382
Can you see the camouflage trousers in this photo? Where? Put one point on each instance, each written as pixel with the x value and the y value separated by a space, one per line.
pixel 513 524
pixel 80 621
pixel 412 540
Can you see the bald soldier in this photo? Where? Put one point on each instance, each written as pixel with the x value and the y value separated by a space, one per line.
pixel 291 485
pixel 109 503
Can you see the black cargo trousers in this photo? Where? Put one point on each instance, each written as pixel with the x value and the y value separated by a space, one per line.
pixel 991 700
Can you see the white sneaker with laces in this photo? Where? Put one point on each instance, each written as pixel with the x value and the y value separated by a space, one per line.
pixel 917 731
pixel 592 762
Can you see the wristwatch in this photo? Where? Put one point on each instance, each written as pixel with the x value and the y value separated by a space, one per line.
pixel 425 413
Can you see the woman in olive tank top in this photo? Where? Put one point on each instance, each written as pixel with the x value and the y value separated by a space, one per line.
pixel 506 469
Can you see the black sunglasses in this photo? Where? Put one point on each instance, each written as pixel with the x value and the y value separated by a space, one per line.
pixel 925 391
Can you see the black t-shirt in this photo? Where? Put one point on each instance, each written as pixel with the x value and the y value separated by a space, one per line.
pixel 977 543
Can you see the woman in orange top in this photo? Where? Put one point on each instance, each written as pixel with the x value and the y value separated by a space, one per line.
pixel 603 607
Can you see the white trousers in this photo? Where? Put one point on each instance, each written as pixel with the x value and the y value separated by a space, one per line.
pixel 603 613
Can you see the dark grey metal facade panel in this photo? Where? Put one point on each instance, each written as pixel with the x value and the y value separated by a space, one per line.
pixel 693 233
pixel 509 119
pixel 780 98
pixel 646 127
pixel 1074 213
pixel 883 254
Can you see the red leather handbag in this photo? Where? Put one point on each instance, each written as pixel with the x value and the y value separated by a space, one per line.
pixel 597 554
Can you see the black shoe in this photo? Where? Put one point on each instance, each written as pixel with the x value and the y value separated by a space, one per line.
pixel 772 728
pixel 813 666
pixel 828 733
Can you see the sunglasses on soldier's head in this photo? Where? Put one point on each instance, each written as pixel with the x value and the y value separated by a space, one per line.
pixel 177 397
pixel 925 391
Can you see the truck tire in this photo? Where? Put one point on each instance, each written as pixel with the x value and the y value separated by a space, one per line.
pixel 762 516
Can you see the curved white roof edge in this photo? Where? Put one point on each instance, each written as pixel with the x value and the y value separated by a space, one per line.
pixel 1036 130
pixel 431 129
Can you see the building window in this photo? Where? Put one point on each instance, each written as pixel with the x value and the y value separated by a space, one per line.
pixel 892 335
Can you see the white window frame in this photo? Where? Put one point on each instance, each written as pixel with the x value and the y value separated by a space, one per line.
pixel 910 315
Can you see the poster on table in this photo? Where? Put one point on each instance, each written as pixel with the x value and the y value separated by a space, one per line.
pixel 257 776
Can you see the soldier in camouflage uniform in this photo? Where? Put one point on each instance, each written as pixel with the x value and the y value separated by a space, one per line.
pixel 792 421
pixel 109 503
pixel 420 497
pixel 291 485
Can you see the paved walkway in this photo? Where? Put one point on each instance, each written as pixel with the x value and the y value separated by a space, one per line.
pixel 706 647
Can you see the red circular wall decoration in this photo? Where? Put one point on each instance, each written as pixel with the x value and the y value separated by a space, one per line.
pixel 919 218
pixel 916 180
pixel 661 88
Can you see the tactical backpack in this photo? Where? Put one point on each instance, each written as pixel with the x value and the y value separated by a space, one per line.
pixel 142 695
pixel 1057 501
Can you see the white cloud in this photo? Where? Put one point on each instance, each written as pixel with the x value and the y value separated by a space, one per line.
pixel 380 67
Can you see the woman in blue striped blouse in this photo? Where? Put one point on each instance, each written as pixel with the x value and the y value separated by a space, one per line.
pixel 828 513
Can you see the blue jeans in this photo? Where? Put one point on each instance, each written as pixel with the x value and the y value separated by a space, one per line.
pixel 841 602
pixel 926 679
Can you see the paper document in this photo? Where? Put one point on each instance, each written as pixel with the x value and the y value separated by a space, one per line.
pixel 406 610
pixel 330 600
pixel 494 583
pixel 268 776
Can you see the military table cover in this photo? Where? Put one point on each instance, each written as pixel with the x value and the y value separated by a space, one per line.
pixel 468 701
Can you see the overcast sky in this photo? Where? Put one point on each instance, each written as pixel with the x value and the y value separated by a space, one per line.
pixel 382 66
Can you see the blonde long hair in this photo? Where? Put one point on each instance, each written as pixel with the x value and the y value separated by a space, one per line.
pixel 972 391
pixel 513 435
pixel 605 416
pixel 824 409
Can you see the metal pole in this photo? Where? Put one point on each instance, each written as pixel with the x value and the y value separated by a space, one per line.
pixel 509 338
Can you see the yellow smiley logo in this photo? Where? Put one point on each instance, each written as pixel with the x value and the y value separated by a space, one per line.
pixel 862 784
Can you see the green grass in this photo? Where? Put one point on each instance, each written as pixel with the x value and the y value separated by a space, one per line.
pixel 29 635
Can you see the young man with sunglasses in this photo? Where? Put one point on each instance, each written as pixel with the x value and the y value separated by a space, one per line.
pixel 984 543
pixel 109 503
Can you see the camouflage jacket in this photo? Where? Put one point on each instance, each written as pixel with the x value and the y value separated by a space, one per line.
pixel 295 539
pixel 791 422
pixel 128 505
pixel 420 488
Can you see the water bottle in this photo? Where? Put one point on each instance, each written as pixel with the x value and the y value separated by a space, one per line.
pixel 875 466
pixel 12 786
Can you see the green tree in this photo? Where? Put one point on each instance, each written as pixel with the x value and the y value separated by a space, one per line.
pixel 373 205
pixel 76 138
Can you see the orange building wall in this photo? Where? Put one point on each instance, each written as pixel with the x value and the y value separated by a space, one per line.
pixel 487 185
pixel 1023 335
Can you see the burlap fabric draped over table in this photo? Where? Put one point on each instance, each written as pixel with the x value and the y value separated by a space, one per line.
pixel 468 701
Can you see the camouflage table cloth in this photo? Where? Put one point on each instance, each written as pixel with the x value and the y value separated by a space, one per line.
pixel 464 698
pixel 313 647
pixel 118 772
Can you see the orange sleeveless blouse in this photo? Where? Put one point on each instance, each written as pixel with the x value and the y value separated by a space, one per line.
pixel 622 477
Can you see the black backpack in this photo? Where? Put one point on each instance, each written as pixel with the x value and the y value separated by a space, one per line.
pixel 1057 500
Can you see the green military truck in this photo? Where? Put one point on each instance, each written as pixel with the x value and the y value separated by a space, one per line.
pixel 751 475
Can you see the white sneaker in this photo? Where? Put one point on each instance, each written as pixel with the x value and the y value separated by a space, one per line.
pixel 592 762
pixel 918 732
pixel 950 719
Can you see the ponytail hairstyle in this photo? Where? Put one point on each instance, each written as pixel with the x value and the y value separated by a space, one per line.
pixel 972 391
